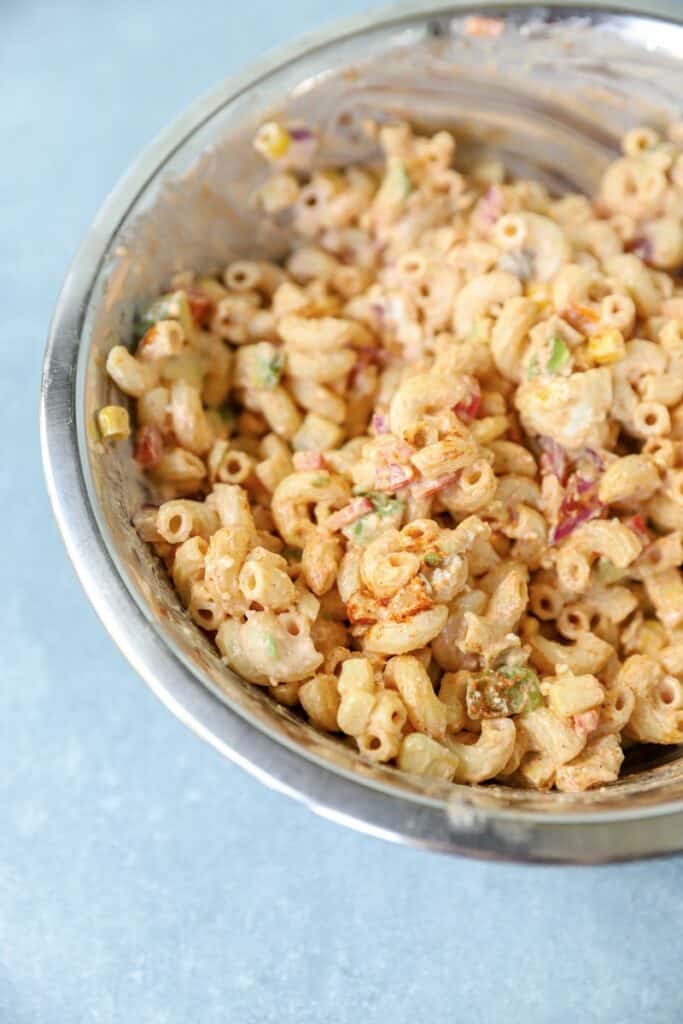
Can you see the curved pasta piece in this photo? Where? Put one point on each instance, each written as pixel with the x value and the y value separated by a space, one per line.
pixel 549 734
pixel 402 637
pixel 488 756
pixel 657 715
pixel 278 647
pixel 421 755
pixel 587 656
pixel 572 410
pixel 423 395
pixel 597 764
pixel 544 240
pixel 480 295
pixel 510 335
pixel 426 712
pixel 297 494
pixel 609 538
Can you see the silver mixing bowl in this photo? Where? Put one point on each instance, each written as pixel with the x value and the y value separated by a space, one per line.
pixel 551 94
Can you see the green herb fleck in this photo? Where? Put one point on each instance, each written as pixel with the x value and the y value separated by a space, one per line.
pixel 607 572
pixel 271 645
pixel 320 481
pixel 559 355
pixel 357 529
pixel 384 505
pixel 372 523
pixel 292 554
pixel 363 530
pixel 402 180
pixel 534 699
pixel 433 558
pixel 270 371
pixel 397 184
pixel 173 306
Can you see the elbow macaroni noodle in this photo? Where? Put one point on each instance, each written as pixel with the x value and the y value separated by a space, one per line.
pixel 425 479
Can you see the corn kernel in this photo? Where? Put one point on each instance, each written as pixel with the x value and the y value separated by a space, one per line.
pixel 583 313
pixel 543 394
pixel 651 637
pixel 540 293
pixel 272 140
pixel 114 423
pixel 606 347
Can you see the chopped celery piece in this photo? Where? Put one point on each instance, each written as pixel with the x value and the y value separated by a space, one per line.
pixel 383 504
pixel 269 371
pixel 259 366
pixel 508 690
pixel 386 513
pixel 559 355
pixel 433 558
pixel 356 529
pixel 397 184
pixel 173 306
pixel 526 692
pixel 401 180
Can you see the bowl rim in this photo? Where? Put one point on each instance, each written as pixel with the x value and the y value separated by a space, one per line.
pixel 466 827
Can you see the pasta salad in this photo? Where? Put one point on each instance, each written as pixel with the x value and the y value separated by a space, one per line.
pixel 424 479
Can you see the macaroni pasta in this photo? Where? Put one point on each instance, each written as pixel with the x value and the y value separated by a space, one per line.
pixel 424 480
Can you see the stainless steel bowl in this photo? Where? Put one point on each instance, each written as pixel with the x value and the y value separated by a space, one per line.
pixel 552 94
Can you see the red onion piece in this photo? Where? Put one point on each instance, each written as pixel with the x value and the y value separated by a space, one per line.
pixel 583 485
pixel 643 248
pixel 393 449
pixel 425 488
pixel 639 527
pixel 380 423
pixel 572 516
pixel 148 446
pixel 586 722
pixel 490 206
pixel 201 305
pixel 467 409
pixel 393 476
pixel 595 457
pixel 308 460
pixel 554 459
pixel 358 377
pixel 358 508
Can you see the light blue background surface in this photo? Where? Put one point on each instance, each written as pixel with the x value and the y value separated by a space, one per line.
pixel 142 879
